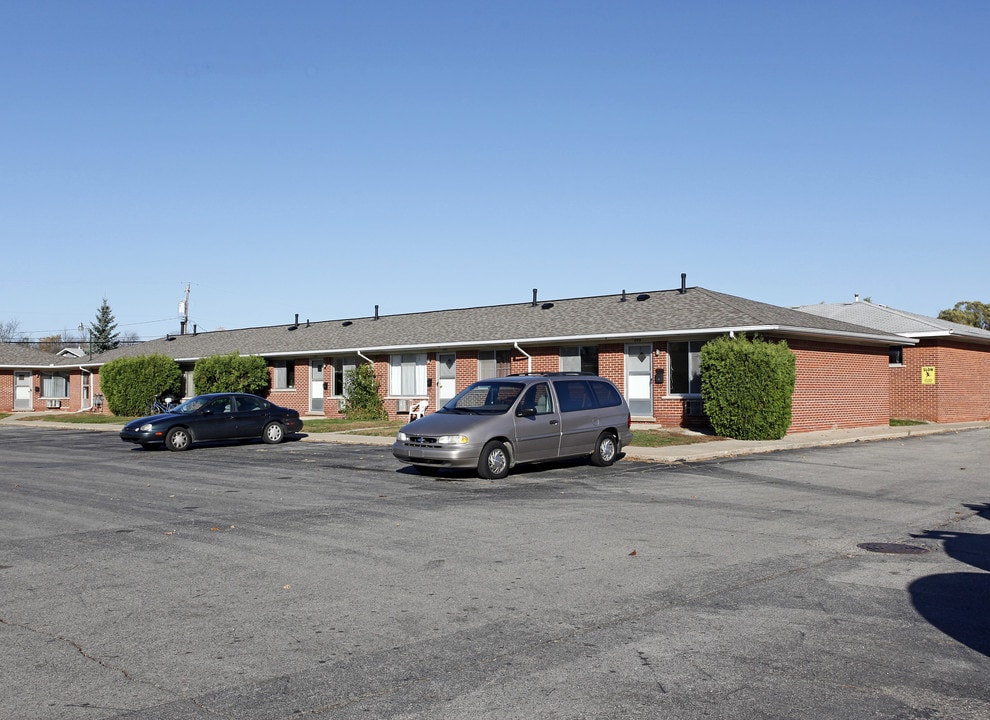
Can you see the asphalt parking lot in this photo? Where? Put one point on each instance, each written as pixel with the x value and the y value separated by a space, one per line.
pixel 327 581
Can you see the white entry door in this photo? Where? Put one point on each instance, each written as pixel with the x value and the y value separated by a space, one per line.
pixel 316 385
pixel 446 378
pixel 639 380
pixel 22 390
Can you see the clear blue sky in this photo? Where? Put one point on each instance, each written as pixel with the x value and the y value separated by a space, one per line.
pixel 322 157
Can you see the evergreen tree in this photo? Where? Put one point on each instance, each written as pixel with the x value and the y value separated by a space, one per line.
pixel 103 331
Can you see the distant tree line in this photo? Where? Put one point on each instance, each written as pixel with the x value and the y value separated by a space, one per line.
pixel 969 312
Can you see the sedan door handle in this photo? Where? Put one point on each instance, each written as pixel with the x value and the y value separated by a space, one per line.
pixel 555 422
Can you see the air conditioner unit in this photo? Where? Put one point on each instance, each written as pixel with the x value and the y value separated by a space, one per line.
pixel 694 407
pixel 402 406
pixel 53 404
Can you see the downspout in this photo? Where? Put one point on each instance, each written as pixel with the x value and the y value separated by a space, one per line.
pixel 529 358
pixel 365 358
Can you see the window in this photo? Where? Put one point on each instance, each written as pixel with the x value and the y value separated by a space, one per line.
pixel 494 363
pixel 579 358
pixel 538 397
pixel 54 385
pixel 896 355
pixel 341 366
pixel 249 403
pixel 684 359
pixel 574 395
pixel 407 375
pixel 284 375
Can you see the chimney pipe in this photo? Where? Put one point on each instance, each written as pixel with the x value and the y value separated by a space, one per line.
pixel 376 312
pixel 534 297
pixel 297 319
pixel 856 297
pixel 683 283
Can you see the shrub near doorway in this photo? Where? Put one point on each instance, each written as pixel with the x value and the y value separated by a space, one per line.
pixel 747 386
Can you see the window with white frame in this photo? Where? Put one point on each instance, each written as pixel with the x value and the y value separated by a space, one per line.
pixel 684 363
pixel 579 358
pixel 284 375
pixel 54 385
pixel 341 366
pixel 407 375
pixel 494 363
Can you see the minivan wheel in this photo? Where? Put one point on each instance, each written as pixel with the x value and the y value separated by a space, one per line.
pixel 494 461
pixel 606 450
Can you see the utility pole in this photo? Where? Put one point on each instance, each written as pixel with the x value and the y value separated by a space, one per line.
pixel 184 312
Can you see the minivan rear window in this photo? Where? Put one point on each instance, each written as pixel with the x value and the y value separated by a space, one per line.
pixel 577 395
pixel 606 394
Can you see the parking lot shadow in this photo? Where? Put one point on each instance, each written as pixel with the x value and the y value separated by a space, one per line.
pixel 958 604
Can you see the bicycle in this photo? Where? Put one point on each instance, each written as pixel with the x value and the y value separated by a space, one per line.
pixel 158 407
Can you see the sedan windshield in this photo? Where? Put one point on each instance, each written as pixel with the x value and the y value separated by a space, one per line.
pixel 487 396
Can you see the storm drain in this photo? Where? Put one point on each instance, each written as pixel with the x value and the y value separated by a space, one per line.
pixel 893 548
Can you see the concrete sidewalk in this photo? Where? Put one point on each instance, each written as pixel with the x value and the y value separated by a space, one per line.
pixel 706 450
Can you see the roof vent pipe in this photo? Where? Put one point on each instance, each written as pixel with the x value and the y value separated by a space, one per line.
pixel 194 329
pixel 624 298
pixel 856 297
pixel 534 297
pixel 376 312
pixel 683 283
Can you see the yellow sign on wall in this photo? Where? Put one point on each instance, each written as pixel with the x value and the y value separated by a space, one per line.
pixel 928 375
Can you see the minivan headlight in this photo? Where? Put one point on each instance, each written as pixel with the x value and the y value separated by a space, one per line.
pixel 452 440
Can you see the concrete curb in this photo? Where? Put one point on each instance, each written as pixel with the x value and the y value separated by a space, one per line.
pixel 710 450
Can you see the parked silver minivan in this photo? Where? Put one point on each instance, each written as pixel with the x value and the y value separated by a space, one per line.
pixel 494 424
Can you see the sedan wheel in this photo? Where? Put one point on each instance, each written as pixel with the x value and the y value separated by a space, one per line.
pixel 274 433
pixel 178 439
pixel 494 461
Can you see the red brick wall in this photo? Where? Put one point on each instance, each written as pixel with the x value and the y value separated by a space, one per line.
pixel 7 390
pixel 962 383
pixel 839 386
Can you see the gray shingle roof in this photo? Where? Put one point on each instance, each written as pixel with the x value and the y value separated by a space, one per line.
pixel 18 356
pixel 662 313
pixel 899 322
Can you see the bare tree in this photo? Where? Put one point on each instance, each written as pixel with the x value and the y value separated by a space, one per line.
pixel 8 330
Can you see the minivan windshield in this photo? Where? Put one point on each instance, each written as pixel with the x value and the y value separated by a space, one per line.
pixel 485 397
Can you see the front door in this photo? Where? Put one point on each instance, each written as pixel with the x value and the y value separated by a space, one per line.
pixel 446 378
pixel 639 380
pixel 316 385
pixel 22 390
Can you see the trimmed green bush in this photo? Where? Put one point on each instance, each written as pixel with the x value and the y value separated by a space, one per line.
pixel 231 373
pixel 747 386
pixel 129 384
pixel 361 394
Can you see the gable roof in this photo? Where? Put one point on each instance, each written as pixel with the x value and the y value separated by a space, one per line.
pixel 692 312
pixel 17 355
pixel 898 322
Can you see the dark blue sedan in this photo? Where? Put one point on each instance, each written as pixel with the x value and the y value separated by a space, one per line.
pixel 217 416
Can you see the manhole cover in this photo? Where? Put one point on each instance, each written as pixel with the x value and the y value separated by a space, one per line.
pixel 893 548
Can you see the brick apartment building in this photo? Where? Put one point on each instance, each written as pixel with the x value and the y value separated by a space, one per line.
pixel 647 343
pixel 944 377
